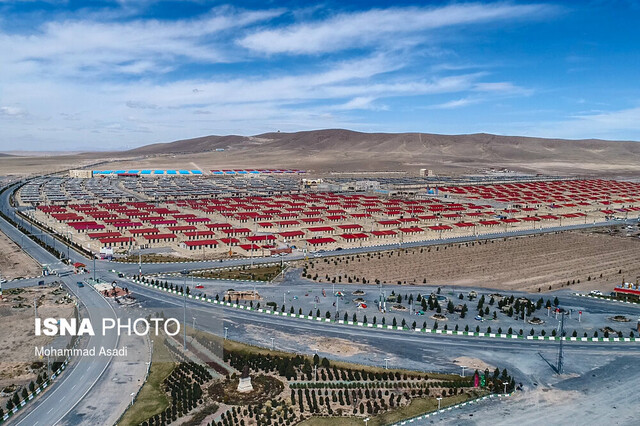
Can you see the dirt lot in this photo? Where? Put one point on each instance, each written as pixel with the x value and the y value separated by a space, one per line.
pixel 585 260
pixel 330 345
pixel 14 262
pixel 20 365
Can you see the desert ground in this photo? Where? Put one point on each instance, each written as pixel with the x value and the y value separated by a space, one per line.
pixel 346 151
pixel 586 260
pixel 19 340
pixel 14 262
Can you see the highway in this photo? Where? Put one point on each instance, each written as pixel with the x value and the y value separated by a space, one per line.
pixel 81 374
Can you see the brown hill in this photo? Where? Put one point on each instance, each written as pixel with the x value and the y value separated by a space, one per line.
pixel 336 149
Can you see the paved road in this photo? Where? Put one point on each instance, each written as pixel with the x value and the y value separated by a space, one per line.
pixel 76 382
pixel 81 374
pixel 203 310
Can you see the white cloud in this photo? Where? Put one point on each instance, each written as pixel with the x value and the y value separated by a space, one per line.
pixel 359 102
pixel 12 111
pixel 502 87
pixel 103 79
pixel 619 124
pixel 456 103
pixel 77 47
pixel 358 29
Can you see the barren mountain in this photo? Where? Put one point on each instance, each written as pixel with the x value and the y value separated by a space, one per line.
pixel 349 150
pixel 344 150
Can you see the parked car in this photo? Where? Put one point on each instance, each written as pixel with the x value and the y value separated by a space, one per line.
pixel 80 284
pixel 41 282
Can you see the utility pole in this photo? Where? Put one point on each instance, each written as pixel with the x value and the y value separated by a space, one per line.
pixel 35 307
pixel 560 353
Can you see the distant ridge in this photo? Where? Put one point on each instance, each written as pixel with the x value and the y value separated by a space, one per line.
pixel 410 147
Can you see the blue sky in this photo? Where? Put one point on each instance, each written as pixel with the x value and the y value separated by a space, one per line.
pixel 80 75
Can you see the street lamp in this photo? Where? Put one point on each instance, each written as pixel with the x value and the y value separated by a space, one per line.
pixel 226 330
pixel 463 367
pixel 133 394
pixel 439 399
pixel 386 363
pixel 366 421
pixel 272 343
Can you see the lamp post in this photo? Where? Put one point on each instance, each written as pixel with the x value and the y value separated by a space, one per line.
pixel 439 399
pixel 463 367
pixel 226 332
pixel 272 343
pixel 386 363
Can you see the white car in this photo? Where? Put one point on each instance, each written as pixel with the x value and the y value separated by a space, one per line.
pixel 595 292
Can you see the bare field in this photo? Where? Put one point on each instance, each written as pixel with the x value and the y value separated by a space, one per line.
pixel 14 262
pixel 585 260
pixel 19 340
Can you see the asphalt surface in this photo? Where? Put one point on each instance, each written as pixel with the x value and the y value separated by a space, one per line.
pixel 80 375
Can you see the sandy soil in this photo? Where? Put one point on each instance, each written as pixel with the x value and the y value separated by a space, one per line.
pixel 19 340
pixel 14 262
pixel 328 345
pixel 545 262
pixel 472 364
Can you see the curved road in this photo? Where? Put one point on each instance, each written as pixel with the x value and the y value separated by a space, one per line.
pixel 80 375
